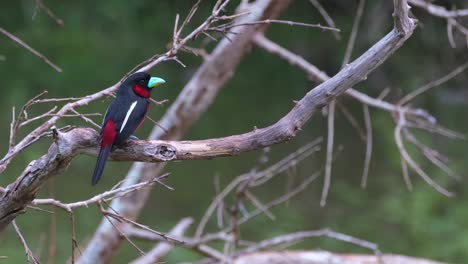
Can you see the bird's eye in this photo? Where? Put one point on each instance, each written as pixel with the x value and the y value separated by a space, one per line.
pixel 142 82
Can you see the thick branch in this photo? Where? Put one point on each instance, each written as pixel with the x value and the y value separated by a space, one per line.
pixel 324 257
pixel 23 190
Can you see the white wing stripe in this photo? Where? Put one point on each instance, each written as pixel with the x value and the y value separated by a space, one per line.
pixel 129 112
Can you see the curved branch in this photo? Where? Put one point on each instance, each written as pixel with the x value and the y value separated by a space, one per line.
pixel 319 257
pixel 437 10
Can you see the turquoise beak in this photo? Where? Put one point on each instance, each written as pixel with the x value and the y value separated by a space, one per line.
pixel 155 81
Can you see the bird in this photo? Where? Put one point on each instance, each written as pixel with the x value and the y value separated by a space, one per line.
pixel 124 115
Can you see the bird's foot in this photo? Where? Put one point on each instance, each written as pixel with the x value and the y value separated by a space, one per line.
pixel 132 137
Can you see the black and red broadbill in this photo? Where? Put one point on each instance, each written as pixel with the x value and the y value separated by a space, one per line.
pixel 124 115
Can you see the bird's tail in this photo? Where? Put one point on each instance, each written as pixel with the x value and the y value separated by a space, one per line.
pixel 101 162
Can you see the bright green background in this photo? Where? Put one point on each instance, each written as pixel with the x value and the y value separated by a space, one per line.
pixel 102 40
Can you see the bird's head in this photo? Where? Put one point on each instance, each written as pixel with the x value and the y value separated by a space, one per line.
pixel 141 83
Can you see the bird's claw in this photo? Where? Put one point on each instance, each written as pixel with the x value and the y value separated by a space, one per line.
pixel 132 137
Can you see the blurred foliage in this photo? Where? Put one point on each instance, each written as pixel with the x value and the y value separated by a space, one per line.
pixel 102 40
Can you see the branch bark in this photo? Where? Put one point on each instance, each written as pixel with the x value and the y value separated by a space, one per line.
pixel 439 11
pixel 162 248
pixel 324 257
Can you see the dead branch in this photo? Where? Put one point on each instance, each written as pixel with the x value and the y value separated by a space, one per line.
pixel 437 10
pixel 324 257
pixel 103 197
pixel 162 248
pixel 326 16
pixel 401 123
pixel 29 254
pixel 30 49
pixel 450 15
pixel 40 5
pixel 298 236
pixel 407 98
pixel 329 155
pixel 369 140
pixel 227 27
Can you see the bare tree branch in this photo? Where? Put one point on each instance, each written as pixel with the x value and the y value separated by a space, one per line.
pixel 40 5
pixel 329 156
pixel 439 11
pixel 369 141
pixel 298 236
pixel 30 49
pixel 450 15
pixel 407 98
pixel 273 21
pixel 324 257
pixel 354 31
pixel 401 123
pixel 325 16
pixel 105 196
pixel 29 254
pixel 161 249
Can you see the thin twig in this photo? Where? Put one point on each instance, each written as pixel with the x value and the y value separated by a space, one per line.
pixel 411 162
pixel 353 35
pixel 29 254
pixel 352 120
pixel 162 248
pixel 12 128
pixel 308 234
pixel 226 27
pixel 405 172
pixel 298 189
pixel 437 10
pixel 121 218
pixel 107 215
pixel 431 154
pixel 368 156
pixel 407 98
pixel 74 242
pixel 105 196
pixel 450 37
pixel 30 49
pixel 326 16
pixel 52 242
pixel 49 12
pixel 329 157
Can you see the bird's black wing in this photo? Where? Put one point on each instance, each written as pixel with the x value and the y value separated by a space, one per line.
pixel 131 120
